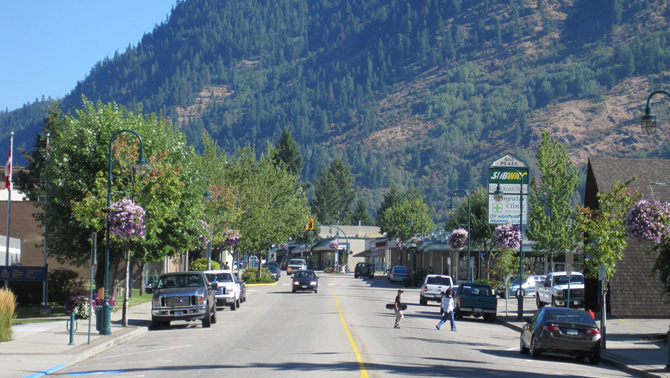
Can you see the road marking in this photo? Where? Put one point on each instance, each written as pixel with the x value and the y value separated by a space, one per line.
pixel 361 365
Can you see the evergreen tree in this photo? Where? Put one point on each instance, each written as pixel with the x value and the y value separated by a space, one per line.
pixel 334 194
pixel 288 153
pixel 362 215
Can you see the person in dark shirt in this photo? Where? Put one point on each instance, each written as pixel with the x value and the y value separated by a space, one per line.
pixel 398 313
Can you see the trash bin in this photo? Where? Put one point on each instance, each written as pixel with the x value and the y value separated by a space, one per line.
pixel 98 317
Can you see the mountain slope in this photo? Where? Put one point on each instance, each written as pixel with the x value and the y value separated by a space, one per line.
pixel 423 94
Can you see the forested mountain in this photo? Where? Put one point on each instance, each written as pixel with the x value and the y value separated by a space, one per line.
pixel 413 93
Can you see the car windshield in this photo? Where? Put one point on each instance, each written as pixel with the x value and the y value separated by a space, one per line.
pixel 296 262
pixel 304 274
pixel 438 281
pixel 563 280
pixel 220 277
pixel 185 280
pixel 401 269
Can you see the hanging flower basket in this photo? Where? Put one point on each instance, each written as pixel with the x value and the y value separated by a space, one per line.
pixel 416 240
pixel 79 306
pixel 508 236
pixel 400 244
pixel 127 220
pixel 333 244
pixel 647 221
pixel 458 239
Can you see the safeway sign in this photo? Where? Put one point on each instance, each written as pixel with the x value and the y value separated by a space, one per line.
pixel 512 175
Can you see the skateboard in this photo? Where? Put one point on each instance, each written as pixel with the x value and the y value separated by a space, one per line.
pixel 391 306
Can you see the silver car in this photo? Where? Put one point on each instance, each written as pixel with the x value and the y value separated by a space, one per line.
pixel 527 288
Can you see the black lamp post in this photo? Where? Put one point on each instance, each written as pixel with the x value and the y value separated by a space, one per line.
pixel 452 209
pixel 411 222
pixel 498 196
pixel 141 167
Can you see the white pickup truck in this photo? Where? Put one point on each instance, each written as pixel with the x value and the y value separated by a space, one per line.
pixel 433 287
pixel 554 290
pixel 228 291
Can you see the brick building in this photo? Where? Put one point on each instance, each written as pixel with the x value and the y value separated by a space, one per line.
pixel 634 291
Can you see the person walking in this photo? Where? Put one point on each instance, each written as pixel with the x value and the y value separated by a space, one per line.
pixel 398 310
pixel 448 310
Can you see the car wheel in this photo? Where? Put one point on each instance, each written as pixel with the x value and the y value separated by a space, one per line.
pixel 155 324
pixel 207 320
pixel 293 290
pixel 214 315
pixel 233 306
pixel 538 302
pixel 459 315
pixel 355 275
pixel 315 291
pixel 522 347
pixel 237 303
pixel 595 358
pixel 553 302
pixel 534 352
pixel 423 301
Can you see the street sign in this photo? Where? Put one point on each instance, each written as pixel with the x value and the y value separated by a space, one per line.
pixel 512 175
pixel 569 269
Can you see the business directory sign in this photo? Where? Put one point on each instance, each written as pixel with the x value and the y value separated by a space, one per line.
pixel 511 173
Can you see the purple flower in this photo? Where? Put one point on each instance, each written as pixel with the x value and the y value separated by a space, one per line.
pixel 508 236
pixel 416 240
pixel 458 239
pixel 400 244
pixel 127 220
pixel 334 244
pixel 231 239
pixel 204 239
pixel 647 221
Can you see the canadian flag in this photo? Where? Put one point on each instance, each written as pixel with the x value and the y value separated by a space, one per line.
pixel 8 171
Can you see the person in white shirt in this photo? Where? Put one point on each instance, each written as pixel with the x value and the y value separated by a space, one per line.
pixel 448 310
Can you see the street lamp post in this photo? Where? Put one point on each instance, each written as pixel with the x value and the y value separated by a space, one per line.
pixel 411 222
pixel 345 236
pixel 452 208
pixel 498 196
pixel 141 167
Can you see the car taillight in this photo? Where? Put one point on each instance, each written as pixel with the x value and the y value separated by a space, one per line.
pixel 551 327
pixel 425 288
pixel 592 332
pixel 460 300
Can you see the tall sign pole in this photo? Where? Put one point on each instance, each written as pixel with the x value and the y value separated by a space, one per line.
pixel 8 185
pixel 508 182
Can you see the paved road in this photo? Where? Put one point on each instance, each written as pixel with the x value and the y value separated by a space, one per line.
pixel 343 330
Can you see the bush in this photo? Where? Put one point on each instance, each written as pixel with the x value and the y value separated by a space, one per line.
pixel 7 315
pixel 79 306
pixel 328 270
pixel 251 276
pixel 64 284
pixel 201 264
pixel 27 293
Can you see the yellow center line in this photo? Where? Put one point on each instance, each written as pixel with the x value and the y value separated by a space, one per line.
pixel 361 365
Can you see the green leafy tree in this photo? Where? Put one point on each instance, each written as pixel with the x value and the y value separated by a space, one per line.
pixel 392 197
pixel 550 199
pixel 78 169
pixel 404 219
pixel 202 264
pixel 604 229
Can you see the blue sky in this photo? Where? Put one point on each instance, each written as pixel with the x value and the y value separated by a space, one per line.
pixel 47 46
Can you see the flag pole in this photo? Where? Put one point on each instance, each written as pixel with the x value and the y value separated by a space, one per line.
pixel 8 184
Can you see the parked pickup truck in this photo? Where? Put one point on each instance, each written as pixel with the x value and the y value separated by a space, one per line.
pixel 554 290
pixel 475 299
pixel 228 289
pixel 182 296
pixel 433 287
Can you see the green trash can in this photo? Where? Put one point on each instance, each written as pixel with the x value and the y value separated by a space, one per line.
pixel 98 318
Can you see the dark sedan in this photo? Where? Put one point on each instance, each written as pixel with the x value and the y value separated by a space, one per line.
pixel 275 272
pixel 305 280
pixel 563 331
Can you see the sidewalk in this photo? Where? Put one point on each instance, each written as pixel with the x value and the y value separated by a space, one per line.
pixel 636 346
pixel 41 348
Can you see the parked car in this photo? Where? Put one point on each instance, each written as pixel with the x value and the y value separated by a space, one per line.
pixel 527 287
pixel 398 273
pixel 305 280
pixel 433 287
pixel 295 265
pixel 364 269
pixel 227 288
pixel 183 296
pixel 564 331
pixel 475 299
pixel 554 290
pixel 275 272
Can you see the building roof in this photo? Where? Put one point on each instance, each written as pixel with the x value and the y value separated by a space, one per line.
pixel 652 176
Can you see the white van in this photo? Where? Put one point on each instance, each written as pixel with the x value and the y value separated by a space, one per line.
pixel 295 265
